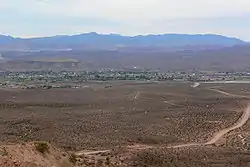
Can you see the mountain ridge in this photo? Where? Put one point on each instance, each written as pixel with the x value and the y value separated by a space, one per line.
pixel 95 40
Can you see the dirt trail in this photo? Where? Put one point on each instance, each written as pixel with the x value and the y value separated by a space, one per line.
pixel 171 102
pixel 137 95
pixel 244 118
pixel 92 152
pixel 228 94
pixel 217 136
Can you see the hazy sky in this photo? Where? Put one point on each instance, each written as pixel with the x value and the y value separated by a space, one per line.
pixel 27 18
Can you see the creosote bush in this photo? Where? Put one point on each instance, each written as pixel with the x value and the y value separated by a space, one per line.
pixel 42 147
pixel 3 152
pixel 73 158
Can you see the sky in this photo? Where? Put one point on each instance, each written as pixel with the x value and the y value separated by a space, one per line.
pixel 36 18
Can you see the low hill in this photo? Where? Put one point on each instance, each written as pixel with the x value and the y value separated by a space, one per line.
pixel 221 59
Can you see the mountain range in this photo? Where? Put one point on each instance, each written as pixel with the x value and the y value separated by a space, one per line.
pixel 92 51
pixel 115 41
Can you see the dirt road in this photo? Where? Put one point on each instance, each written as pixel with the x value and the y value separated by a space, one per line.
pixel 92 152
pixel 244 118
pixel 137 95
pixel 217 136
pixel 171 102
pixel 228 94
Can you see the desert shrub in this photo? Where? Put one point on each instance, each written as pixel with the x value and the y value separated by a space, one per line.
pixel 73 158
pixel 99 162
pixel 107 161
pixel 151 139
pixel 42 147
pixel 3 152
pixel 154 159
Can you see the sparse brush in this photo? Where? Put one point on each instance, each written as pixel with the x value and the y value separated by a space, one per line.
pixel 3 152
pixel 108 161
pixel 73 158
pixel 42 147
pixel 99 162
